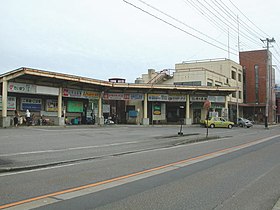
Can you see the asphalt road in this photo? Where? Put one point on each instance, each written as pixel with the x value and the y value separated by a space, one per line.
pixel 158 169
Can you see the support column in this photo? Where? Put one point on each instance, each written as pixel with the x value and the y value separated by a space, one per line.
pixel 5 120
pixel 100 119
pixel 226 107
pixel 188 120
pixel 145 120
pixel 60 119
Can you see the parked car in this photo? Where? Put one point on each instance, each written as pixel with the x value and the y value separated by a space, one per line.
pixel 242 122
pixel 219 122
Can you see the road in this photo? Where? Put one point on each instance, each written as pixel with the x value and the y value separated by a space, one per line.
pixel 134 167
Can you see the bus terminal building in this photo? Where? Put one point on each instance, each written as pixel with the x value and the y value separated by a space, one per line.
pixel 57 97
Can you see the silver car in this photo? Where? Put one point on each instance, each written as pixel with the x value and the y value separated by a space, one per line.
pixel 242 122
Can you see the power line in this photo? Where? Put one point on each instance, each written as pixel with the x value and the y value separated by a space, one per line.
pixel 230 12
pixel 248 19
pixel 181 22
pixel 178 28
pixel 222 18
pixel 174 26
pixel 203 9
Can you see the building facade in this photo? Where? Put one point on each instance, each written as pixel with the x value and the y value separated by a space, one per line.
pixel 207 73
pixel 259 85
pixel 63 98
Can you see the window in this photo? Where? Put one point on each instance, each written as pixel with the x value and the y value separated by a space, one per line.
pixel 193 83
pixel 239 94
pixel 233 74
pixel 239 78
pixel 218 84
pixel 257 82
pixel 234 94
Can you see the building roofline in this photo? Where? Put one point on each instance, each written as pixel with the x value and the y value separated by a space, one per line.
pixel 61 76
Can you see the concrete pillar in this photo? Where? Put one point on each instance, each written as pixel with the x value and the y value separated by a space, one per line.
pixel 145 120
pixel 60 119
pixel 188 120
pixel 226 107
pixel 100 119
pixel 5 120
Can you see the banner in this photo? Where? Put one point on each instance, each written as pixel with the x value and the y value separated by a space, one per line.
pixel 11 104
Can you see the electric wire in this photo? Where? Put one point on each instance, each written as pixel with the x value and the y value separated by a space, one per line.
pixel 206 11
pixel 181 22
pixel 178 28
pixel 249 19
pixel 248 28
pixel 223 20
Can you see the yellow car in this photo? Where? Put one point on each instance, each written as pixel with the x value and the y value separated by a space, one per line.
pixel 219 122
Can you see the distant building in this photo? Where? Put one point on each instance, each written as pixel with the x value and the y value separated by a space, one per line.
pixel 211 73
pixel 255 65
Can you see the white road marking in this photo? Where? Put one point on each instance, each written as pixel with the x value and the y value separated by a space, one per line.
pixel 68 149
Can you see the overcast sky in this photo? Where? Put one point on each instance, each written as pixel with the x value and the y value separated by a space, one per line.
pixel 101 39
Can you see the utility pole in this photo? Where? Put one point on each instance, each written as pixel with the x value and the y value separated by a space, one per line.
pixel 237 92
pixel 268 89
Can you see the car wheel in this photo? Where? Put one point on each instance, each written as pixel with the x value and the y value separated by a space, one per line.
pixel 230 126
pixel 212 126
pixel 240 125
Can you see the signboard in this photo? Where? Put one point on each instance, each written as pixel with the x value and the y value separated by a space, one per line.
pixel 106 108
pixel 32 104
pixel 73 93
pixel 167 97
pixel 75 106
pixel 11 104
pixel 157 109
pixel 31 89
pixel 217 99
pixel 51 105
pixel 123 96
pixel 198 98
pixel 21 88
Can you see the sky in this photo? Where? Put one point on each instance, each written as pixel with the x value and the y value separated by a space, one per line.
pixel 102 39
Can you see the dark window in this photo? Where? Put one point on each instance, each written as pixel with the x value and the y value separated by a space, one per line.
pixel 257 82
pixel 239 77
pixel 233 74
pixel 192 83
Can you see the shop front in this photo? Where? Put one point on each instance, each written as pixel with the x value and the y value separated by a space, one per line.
pixel 123 108
pixel 167 108
pixel 199 112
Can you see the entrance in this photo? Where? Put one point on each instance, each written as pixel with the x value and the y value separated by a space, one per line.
pixel 175 112
pixel 196 116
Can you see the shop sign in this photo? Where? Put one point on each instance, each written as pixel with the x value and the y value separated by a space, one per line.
pixel 198 98
pixel 32 104
pixel 75 106
pixel 157 109
pixel 137 96
pixel 11 105
pixel 219 99
pixel 158 97
pixel 123 96
pixel 166 97
pixel 106 108
pixel 51 105
pixel 73 93
pixel 31 89
pixel 21 88
pixel 178 98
